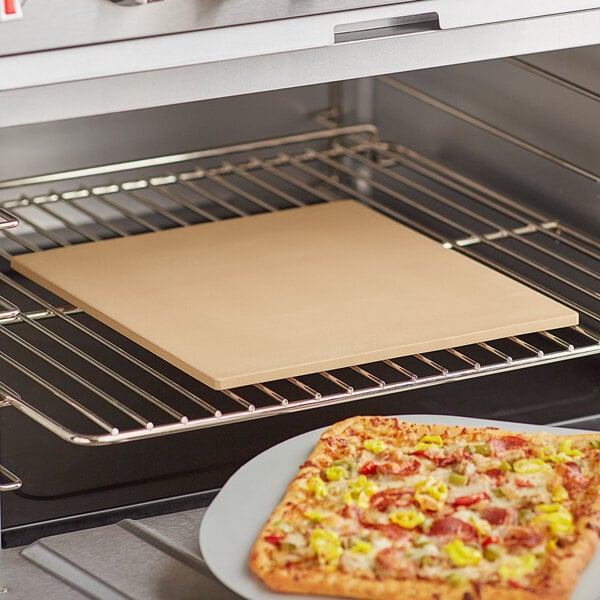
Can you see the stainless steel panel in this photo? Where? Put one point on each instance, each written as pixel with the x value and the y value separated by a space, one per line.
pixel 99 21
pixel 283 70
pixel 522 103
pixel 50 24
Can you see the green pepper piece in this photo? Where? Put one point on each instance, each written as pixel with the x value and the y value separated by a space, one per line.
pixel 525 515
pixel 456 579
pixel 457 479
pixel 491 553
pixel 483 449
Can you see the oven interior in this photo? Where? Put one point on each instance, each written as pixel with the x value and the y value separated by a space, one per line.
pixel 497 160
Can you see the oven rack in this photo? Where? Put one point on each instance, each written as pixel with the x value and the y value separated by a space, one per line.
pixel 94 387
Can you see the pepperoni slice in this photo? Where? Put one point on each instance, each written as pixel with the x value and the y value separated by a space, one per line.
pixel 530 537
pixel 573 478
pixel 496 474
pixel 444 461
pixel 392 531
pixel 351 512
pixel 423 454
pixel 391 497
pixel 394 561
pixel 449 526
pixel 400 469
pixel 506 443
pixel 495 515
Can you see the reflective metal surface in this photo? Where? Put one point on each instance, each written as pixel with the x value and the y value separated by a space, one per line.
pixel 303 171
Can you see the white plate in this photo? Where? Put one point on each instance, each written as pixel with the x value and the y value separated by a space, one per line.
pixel 234 519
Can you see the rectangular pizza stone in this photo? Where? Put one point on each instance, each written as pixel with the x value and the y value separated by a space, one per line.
pixel 288 293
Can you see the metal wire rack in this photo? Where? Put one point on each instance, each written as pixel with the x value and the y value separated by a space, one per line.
pixel 94 387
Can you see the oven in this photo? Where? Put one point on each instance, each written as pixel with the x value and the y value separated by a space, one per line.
pixel 476 124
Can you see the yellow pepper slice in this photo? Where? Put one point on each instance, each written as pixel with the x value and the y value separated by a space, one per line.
pixel 565 453
pixel 427 441
pixel 557 517
pixel 482 526
pixel 461 554
pixel 361 547
pixel 359 492
pixel 409 519
pixel 434 488
pixel 362 484
pixel 317 486
pixel 375 446
pixel 314 515
pixel 430 494
pixel 566 447
pixel 559 494
pixel 361 499
pixel 327 545
pixel 336 473
pixel 432 439
pixel 526 466
pixel 549 508
pixel 515 567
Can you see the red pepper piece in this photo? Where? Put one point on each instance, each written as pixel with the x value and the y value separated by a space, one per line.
pixel 474 499
pixel 523 483
pixel 492 539
pixel 274 539
pixel 369 468
pixel 516 584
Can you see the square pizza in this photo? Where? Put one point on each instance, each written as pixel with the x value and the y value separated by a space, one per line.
pixel 384 509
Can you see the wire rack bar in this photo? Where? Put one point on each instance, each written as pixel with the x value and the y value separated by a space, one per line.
pixel 171 159
pixel 8 310
pixel 487 197
pixel 13 481
pixel 64 314
pixel 496 131
pixel 322 167
pixel 554 78
pixel 445 220
pixel 7 221
pixel 514 233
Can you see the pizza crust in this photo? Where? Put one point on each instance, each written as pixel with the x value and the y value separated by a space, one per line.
pixel 558 585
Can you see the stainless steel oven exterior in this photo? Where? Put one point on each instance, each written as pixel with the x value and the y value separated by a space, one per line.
pixel 454 118
pixel 114 58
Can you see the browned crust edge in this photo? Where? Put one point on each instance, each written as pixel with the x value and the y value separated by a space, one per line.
pixel 565 570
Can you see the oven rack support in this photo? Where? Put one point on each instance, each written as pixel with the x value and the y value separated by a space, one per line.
pixel 231 182
pixel 13 481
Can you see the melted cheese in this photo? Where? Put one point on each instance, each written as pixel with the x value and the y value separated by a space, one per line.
pixel 342 496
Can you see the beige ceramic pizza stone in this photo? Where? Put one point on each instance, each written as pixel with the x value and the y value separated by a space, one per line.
pixel 288 293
